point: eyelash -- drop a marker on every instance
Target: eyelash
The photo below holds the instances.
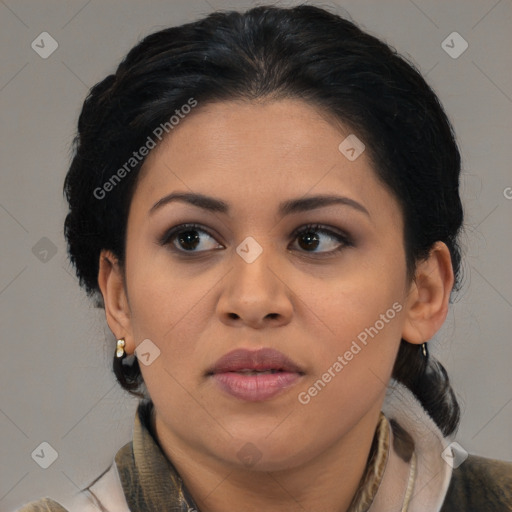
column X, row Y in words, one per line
column 345, row 240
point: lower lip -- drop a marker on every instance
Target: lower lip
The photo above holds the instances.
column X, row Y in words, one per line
column 253, row 388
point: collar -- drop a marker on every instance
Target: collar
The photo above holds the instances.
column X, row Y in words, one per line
column 149, row 479
column 405, row 471
column 418, row 444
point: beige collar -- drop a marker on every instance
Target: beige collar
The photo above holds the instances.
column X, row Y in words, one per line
column 416, row 477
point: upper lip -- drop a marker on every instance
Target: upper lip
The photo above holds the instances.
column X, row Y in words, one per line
column 262, row 359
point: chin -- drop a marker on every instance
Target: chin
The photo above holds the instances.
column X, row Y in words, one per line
column 260, row 454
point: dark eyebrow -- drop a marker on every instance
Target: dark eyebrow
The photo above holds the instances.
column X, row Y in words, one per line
column 286, row 208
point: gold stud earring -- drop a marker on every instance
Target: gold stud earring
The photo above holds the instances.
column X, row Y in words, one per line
column 120, row 348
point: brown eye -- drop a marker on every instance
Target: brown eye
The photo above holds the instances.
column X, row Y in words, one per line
column 188, row 238
column 312, row 237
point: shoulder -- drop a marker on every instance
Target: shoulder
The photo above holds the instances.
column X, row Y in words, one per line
column 480, row 484
column 42, row 505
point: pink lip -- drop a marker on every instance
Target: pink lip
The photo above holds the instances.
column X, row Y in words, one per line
column 254, row 388
column 262, row 359
column 227, row 373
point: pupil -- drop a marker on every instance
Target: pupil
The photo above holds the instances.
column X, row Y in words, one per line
column 188, row 238
column 311, row 238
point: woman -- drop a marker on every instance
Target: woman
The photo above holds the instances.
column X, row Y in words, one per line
column 256, row 199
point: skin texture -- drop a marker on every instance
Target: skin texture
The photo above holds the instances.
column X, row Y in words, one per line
column 196, row 308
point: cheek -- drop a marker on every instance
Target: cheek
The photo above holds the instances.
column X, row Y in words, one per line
column 353, row 362
column 171, row 308
column 360, row 299
column 359, row 325
column 163, row 294
column 171, row 314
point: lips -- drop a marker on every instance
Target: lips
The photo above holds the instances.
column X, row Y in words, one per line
column 263, row 360
column 255, row 376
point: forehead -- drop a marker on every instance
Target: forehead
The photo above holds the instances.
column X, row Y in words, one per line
column 261, row 150
column 234, row 127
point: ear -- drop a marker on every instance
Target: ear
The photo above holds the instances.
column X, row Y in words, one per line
column 117, row 309
column 428, row 299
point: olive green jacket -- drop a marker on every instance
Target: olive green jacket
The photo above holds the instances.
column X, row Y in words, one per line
column 411, row 468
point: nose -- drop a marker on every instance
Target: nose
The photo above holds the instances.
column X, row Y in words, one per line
column 255, row 294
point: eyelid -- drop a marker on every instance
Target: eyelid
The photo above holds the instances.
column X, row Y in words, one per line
column 323, row 229
column 168, row 234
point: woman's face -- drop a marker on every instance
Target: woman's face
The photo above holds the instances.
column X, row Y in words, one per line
column 331, row 298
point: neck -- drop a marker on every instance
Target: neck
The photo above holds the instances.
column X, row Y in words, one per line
column 327, row 482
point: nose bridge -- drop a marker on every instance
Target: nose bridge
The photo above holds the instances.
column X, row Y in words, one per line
column 255, row 290
column 252, row 272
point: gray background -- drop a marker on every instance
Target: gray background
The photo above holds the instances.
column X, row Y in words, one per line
column 55, row 379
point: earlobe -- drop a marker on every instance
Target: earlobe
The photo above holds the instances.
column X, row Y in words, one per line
column 117, row 311
column 427, row 303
